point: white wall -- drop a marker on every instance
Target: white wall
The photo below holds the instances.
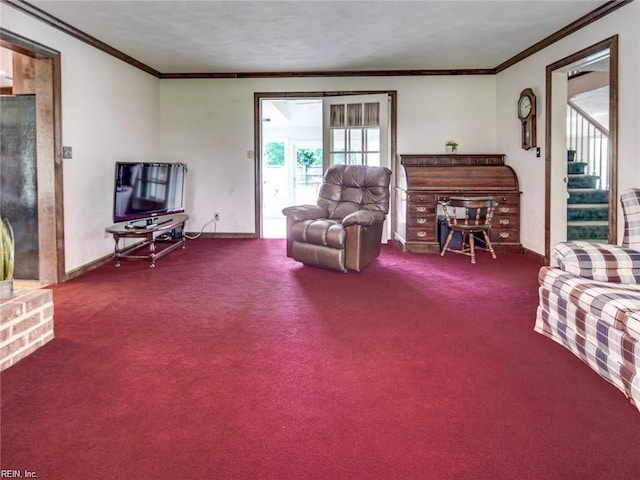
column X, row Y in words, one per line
column 531, row 73
column 208, row 124
column 110, row 112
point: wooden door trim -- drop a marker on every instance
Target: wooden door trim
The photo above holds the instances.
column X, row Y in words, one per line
column 48, row 64
column 610, row 43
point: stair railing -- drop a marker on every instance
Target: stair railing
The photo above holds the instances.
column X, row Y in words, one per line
column 590, row 142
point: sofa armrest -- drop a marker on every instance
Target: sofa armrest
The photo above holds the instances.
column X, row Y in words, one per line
column 366, row 218
column 299, row 213
column 600, row 262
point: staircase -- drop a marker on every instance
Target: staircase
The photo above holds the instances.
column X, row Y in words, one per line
column 588, row 205
column 588, row 156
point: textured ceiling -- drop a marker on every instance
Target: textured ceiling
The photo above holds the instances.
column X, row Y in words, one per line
column 186, row 36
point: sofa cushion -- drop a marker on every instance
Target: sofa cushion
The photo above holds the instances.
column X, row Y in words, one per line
column 630, row 200
column 618, row 305
column 597, row 261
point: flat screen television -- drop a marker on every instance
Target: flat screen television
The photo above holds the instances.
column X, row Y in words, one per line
column 144, row 190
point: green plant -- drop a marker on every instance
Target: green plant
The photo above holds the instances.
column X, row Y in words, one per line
column 309, row 157
column 275, row 153
column 452, row 144
column 7, row 250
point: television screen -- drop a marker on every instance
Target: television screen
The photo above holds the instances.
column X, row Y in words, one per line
column 144, row 190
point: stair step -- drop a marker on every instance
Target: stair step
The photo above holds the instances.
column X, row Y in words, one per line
column 588, row 212
column 588, row 230
column 583, row 181
column 576, row 168
column 587, row 195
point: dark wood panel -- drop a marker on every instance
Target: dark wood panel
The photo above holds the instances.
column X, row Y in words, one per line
column 18, row 174
column 453, row 180
column 451, row 160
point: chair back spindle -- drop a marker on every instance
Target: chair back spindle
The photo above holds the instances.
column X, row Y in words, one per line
column 468, row 216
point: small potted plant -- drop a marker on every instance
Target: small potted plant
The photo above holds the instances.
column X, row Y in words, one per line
column 7, row 258
column 451, row 146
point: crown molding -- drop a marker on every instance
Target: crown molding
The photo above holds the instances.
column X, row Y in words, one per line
column 335, row 73
column 54, row 22
column 582, row 22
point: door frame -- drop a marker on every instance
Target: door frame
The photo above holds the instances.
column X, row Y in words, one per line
column 610, row 43
column 48, row 152
column 257, row 130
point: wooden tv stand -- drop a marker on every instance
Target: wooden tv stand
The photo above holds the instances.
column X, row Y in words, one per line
column 158, row 232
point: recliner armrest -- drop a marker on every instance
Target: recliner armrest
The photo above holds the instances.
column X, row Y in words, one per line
column 366, row 218
column 599, row 261
column 299, row 213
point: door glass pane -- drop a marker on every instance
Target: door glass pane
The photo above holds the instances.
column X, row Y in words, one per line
column 372, row 159
column 354, row 114
column 337, row 116
column 372, row 139
column 337, row 158
column 337, row 139
column 371, row 114
column 355, row 159
column 355, row 139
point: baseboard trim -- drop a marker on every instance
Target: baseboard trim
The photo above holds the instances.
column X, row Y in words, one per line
column 536, row 256
column 221, row 235
column 71, row 274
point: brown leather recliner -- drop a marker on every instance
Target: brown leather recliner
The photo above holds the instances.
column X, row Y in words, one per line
column 344, row 230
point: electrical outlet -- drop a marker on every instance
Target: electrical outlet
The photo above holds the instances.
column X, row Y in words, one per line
column 216, row 216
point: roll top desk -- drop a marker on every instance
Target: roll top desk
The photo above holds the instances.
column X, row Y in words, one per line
column 424, row 180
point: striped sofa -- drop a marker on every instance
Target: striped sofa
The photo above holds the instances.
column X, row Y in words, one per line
column 589, row 302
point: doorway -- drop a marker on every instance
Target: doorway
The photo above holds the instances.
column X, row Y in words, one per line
column 575, row 186
column 291, row 158
column 36, row 71
column 292, row 145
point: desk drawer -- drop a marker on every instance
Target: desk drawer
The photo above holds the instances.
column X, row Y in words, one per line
column 427, row 234
column 505, row 235
column 507, row 204
column 421, row 221
column 421, row 198
column 421, row 210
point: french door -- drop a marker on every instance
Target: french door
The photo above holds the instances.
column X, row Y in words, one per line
column 355, row 131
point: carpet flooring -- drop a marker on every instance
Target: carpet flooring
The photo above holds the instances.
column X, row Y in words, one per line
column 231, row 361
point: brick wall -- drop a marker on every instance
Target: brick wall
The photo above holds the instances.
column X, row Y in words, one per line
column 26, row 324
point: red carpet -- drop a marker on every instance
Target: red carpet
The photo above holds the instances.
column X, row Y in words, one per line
column 231, row 361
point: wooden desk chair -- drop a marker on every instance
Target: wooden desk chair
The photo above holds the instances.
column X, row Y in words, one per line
column 469, row 215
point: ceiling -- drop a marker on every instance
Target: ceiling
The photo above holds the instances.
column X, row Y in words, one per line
column 187, row 36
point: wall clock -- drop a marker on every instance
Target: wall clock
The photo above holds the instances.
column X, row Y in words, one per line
column 527, row 115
